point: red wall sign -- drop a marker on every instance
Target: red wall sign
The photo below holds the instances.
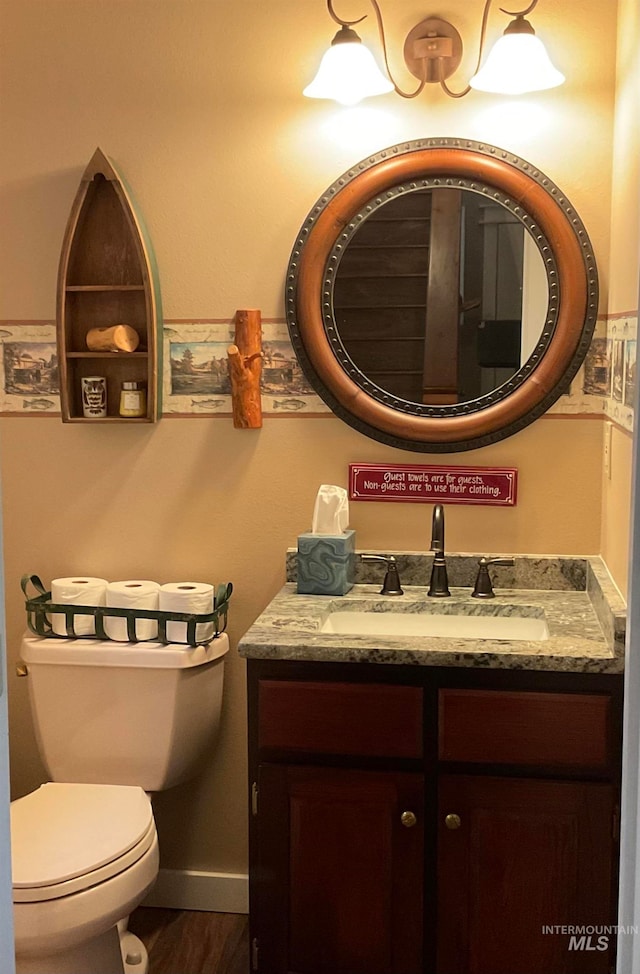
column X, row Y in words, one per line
column 420, row 484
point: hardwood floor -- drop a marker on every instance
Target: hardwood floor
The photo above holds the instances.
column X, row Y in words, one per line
column 189, row 942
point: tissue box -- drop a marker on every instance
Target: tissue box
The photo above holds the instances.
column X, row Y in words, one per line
column 326, row 563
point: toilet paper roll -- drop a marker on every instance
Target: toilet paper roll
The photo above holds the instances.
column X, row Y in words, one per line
column 131, row 594
column 77, row 590
column 196, row 597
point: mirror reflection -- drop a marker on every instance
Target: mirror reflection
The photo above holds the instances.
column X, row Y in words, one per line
column 440, row 295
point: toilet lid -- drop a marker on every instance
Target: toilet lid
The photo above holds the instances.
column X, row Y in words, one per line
column 63, row 831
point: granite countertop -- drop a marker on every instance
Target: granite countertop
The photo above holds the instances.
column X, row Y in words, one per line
column 584, row 611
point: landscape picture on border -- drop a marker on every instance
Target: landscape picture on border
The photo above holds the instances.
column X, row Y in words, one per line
column 30, row 368
column 597, row 367
column 199, row 368
column 617, row 380
column 281, row 373
column 630, row 374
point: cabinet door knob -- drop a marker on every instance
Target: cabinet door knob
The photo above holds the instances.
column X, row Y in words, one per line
column 452, row 821
column 408, row 819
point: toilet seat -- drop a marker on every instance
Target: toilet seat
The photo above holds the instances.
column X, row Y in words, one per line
column 68, row 837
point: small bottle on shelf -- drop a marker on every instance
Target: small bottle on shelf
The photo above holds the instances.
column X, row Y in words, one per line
column 133, row 399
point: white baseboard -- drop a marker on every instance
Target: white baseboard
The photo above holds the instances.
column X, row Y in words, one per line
column 187, row 889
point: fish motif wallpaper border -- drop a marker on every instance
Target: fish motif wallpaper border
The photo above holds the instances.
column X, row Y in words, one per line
column 620, row 353
column 195, row 379
column 29, row 381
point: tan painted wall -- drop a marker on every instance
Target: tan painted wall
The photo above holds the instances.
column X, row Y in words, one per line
column 199, row 103
column 623, row 292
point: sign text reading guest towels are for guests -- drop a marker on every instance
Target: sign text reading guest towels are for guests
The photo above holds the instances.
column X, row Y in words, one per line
column 426, row 484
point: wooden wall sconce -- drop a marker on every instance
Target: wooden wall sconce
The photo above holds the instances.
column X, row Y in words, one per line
column 245, row 369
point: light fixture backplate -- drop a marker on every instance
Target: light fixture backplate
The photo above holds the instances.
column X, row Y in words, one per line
column 446, row 39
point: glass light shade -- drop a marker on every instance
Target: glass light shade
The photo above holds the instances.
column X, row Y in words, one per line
column 518, row 63
column 347, row 74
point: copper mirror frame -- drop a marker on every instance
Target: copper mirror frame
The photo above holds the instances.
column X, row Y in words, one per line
column 572, row 282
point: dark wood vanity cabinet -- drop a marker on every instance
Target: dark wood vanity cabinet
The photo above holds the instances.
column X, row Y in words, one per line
column 528, row 854
column 345, row 880
column 413, row 820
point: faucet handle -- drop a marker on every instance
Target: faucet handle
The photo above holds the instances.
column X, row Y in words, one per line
column 483, row 589
column 391, row 583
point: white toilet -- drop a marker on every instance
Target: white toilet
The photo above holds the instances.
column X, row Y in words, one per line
column 113, row 721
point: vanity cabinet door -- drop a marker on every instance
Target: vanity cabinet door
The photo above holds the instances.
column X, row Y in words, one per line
column 516, row 856
column 341, row 869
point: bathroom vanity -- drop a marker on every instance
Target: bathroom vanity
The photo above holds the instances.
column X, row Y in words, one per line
column 442, row 804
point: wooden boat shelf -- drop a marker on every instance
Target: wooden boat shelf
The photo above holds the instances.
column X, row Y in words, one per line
column 107, row 277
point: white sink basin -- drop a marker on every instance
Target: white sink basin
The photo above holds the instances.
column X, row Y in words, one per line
column 365, row 622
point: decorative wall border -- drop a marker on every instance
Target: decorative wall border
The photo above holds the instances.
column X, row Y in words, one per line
column 203, row 389
column 195, row 379
column 29, row 380
column 620, row 352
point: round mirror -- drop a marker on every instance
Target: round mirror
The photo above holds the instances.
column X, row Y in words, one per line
column 441, row 295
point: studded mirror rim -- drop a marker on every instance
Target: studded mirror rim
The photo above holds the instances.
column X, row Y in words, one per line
column 571, row 274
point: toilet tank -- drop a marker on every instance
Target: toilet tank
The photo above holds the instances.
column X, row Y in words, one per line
column 124, row 713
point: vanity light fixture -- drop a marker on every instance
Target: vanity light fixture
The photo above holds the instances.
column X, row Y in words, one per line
column 348, row 71
column 517, row 64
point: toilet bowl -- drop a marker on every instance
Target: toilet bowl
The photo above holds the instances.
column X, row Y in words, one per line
column 84, row 856
column 113, row 721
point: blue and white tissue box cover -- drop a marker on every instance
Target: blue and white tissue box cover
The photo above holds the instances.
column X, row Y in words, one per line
column 326, row 563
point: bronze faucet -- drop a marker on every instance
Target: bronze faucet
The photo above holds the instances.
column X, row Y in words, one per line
column 439, row 583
